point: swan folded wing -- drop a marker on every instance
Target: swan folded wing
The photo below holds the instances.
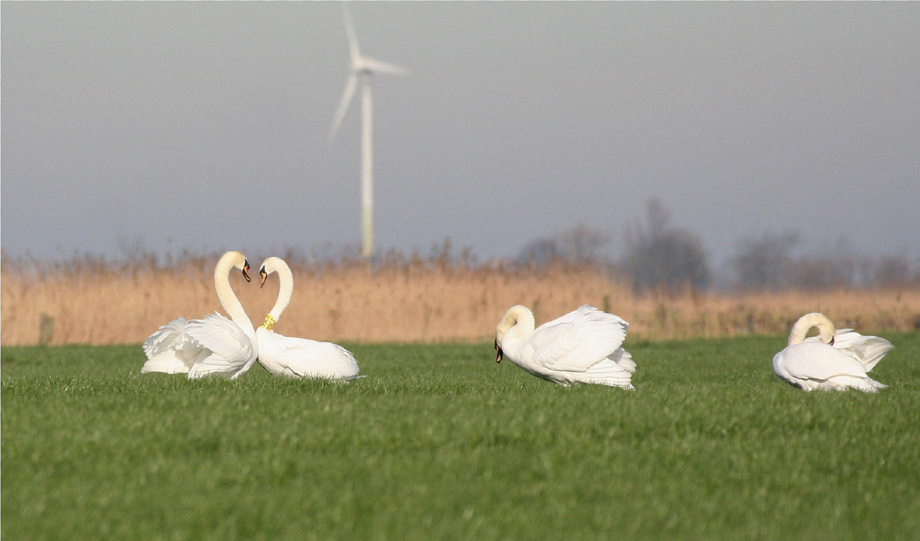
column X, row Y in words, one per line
column 819, row 362
column 306, row 358
column 578, row 340
column 231, row 347
column 345, row 362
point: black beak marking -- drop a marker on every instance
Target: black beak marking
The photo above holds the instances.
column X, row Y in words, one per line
column 246, row 270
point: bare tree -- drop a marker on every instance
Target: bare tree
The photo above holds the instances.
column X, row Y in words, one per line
column 582, row 244
column 579, row 245
column 895, row 271
column 765, row 262
column 662, row 256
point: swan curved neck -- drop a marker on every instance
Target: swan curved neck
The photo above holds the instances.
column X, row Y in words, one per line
column 227, row 298
column 285, row 292
column 825, row 327
column 518, row 323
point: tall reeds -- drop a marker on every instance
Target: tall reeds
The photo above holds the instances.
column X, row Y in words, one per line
column 95, row 301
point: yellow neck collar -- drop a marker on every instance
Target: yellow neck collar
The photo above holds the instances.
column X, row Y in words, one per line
column 268, row 323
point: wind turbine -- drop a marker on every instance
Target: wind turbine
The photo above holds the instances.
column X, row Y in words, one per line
column 362, row 68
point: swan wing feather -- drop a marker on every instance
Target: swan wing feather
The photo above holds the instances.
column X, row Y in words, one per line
column 868, row 350
column 165, row 337
column 232, row 348
column 170, row 350
column 816, row 361
column 308, row 358
column 578, row 340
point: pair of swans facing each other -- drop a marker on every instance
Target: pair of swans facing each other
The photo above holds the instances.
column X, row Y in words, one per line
column 835, row 360
column 215, row 345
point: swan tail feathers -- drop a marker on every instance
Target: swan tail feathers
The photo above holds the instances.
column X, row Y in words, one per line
column 212, row 365
column 624, row 359
column 844, row 382
column 164, row 337
column 868, row 350
column 875, row 349
column 169, row 349
column 165, row 364
column 611, row 372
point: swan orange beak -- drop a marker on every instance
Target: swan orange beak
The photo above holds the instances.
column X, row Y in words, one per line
column 246, row 271
column 262, row 276
column 500, row 355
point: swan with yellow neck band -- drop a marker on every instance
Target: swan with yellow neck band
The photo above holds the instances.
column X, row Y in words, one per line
column 835, row 360
column 212, row 345
column 297, row 357
column 268, row 322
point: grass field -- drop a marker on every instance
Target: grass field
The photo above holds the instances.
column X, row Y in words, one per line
column 439, row 442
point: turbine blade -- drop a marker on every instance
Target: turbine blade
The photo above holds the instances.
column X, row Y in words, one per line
column 379, row 66
column 343, row 105
column 353, row 49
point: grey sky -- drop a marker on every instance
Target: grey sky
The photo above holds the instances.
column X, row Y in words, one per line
column 203, row 125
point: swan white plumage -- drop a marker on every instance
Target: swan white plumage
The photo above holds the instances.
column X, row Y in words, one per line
column 213, row 345
column 583, row 346
column 297, row 357
column 833, row 360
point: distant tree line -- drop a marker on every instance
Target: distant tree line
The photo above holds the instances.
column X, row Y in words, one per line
column 664, row 257
column 767, row 262
column 658, row 255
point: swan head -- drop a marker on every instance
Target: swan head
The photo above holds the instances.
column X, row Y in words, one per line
column 826, row 329
column 512, row 317
column 235, row 260
column 270, row 265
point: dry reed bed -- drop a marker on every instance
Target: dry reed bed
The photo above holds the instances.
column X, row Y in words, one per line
column 107, row 304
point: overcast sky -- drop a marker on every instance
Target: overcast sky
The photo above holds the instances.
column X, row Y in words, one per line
column 204, row 125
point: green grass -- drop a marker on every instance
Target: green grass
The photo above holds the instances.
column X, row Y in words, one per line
column 439, row 442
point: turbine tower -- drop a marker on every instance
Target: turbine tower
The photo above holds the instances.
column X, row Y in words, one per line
column 362, row 69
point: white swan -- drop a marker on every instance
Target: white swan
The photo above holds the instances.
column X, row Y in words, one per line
column 580, row 347
column 213, row 345
column 832, row 360
column 297, row 357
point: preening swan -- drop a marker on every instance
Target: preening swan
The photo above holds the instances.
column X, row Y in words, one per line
column 580, row 347
column 297, row 357
column 832, row 360
column 213, row 345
